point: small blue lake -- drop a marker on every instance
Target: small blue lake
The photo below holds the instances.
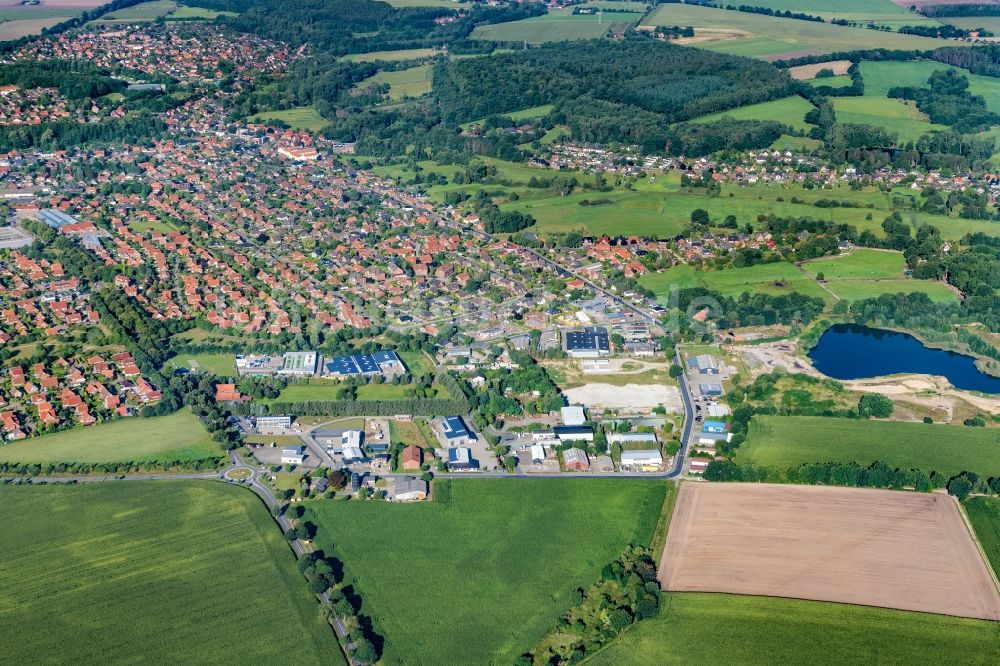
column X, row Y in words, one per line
column 849, row 351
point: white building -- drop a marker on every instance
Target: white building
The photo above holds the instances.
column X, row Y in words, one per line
column 647, row 460
column 621, row 437
column 537, row 453
column 573, row 415
column 267, row 425
column 293, row 455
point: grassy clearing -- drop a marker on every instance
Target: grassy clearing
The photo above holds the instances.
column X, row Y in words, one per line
column 896, row 116
column 416, row 363
column 984, row 514
column 511, row 551
column 860, row 263
column 880, row 77
column 189, row 13
column 223, row 365
column 302, row 118
column 783, row 442
column 151, row 572
column 788, row 142
column 179, row 436
column 403, row 54
column 790, row 111
column 141, row 13
column 856, row 290
column 412, row 82
column 777, row 278
column 762, row 630
column 842, row 81
column 556, row 26
column 784, row 35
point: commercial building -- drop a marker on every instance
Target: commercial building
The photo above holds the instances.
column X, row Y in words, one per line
column 573, row 415
column 292, row 455
column 410, row 489
column 576, row 460
column 382, row 362
column 710, row 389
column 714, row 426
column 460, row 458
column 705, row 364
column 647, row 460
column 300, row 363
column 574, row 433
column 353, row 454
column 272, row 425
column 622, row 437
column 454, row 431
column 590, row 342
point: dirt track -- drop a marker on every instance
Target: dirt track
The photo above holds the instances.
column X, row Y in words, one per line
column 884, row 548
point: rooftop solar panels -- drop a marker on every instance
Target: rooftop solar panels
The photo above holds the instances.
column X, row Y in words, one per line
column 384, row 360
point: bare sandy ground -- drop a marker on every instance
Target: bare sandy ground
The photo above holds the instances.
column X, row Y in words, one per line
column 630, row 396
column 803, row 72
column 890, row 549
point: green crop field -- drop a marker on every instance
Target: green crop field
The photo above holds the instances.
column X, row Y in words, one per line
column 790, row 111
column 730, row 629
column 141, row 13
column 784, row 442
column 179, row 436
column 437, row 4
column 480, row 575
column 412, row 82
column 851, row 10
column 556, row 26
column 776, row 278
column 896, row 116
column 842, row 81
column 157, row 572
column 880, row 77
column 302, row 118
column 984, row 514
column 223, row 365
column 770, row 36
column 188, row 13
column 991, row 23
column 859, row 263
column 403, row 54
column 856, row 290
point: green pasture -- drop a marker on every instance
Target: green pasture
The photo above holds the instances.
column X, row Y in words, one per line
column 402, row 54
column 790, row 111
column 412, row 82
column 187, row 13
column 984, row 514
column 880, row 77
column 856, row 290
column 896, row 116
column 141, row 13
column 152, row 572
column 436, row 4
column 556, row 26
column 179, row 436
column 859, row 263
column 498, row 558
column 784, row 35
column 842, row 81
column 783, row 442
column 301, row 118
column 775, row 278
column 222, row 364
column 851, row 10
column 730, row 629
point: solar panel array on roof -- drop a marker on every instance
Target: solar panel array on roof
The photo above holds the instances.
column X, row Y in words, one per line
column 588, row 339
column 56, row 218
column 362, row 364
column 454, row 427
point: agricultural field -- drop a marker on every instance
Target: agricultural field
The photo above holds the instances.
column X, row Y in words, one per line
column 880, row 77
column 856, row 290
column 897, row 116
column 860, row 263
column 188, row 13
column 23, row 27
column 512, row 551
column 809, row 72
column 842, row 81
column 556, row 26
column 222, row 365
column 759, row 35
column 412, row 82
column 880, row 11
column 301, row 118
column 437, row 4
column 179, row 436
column 775, row 278
column 733, row 629
column 403, row 54
column 984, row 514
column 141, row 13
column 991, row 23
column 791, row 111
column 783, row 442
column 748, row 538
column 152, row 572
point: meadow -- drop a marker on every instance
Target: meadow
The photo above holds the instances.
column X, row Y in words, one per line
column 188, row 13
column 556, row 26
column 24, row 27
column 775, row 278
column 731, row 629
column 760, row 35
column 152, row 572
column 301, row 118
column 896, row 116
column 791, row 111
column 783, row 442
column 984, row 514
column 179, row 436
column 222, row 365
column 141, row 13
column 882, row 11
column 842, row 81
column 880, row 77
column 860, row 263
column 402, row 54
column 412, row 82
column 856, row 290
column 511, row 551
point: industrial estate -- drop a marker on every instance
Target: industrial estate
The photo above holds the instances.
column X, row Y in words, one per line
column 500, row 332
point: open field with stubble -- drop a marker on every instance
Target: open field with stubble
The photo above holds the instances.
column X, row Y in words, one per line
column 783, row 442
column 732, row 629
column 890, row 549
column 481, row 572
column 152, row 572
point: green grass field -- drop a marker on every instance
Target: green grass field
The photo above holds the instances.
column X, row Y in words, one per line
column 842, row 81
column 437, row 4
column 896, row 116
column 179, row 436
column 783, row 442
column 861, row 263
column 777, row 278
column 223, row 365
column 302, row 118
column 769, row 35
column 320, row 392
column 730, row 629
column 188, row 13
column 880, row 77
column 556, row 26
column 412, row 82
column 991, row 23
column 852, row 10
column 856, row 290
column 403, row 54
column 984, row 514
column 480, row 577
column 790, row 111
column 152, row 572
column 141, row 13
